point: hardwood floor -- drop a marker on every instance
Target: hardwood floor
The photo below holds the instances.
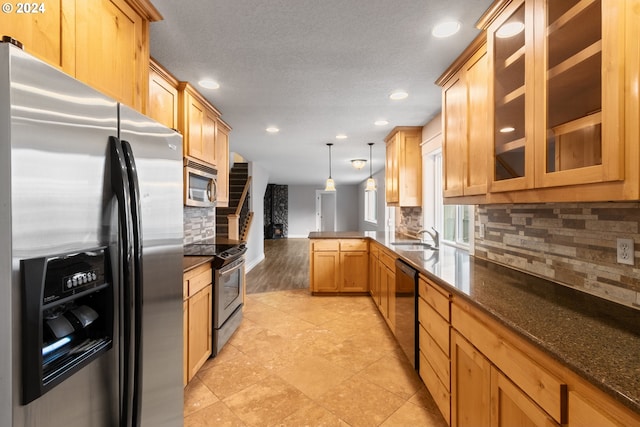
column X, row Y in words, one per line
column 286, row 266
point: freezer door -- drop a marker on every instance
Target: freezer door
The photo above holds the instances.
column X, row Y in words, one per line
column 158, row 158
column 54, row 141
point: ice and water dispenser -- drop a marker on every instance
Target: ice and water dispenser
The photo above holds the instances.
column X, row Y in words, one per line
column 67, row 316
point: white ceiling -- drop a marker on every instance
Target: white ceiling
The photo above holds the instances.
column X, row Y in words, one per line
column 314, row 69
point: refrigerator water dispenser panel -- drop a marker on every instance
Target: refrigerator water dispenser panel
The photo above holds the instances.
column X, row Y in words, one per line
column 67, row 303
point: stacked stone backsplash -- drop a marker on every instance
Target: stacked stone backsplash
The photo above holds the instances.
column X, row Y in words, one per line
column 199, row 223
column 571, row 244
column 410, row 221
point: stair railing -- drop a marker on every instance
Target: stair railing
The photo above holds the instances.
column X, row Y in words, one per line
column 234, row 218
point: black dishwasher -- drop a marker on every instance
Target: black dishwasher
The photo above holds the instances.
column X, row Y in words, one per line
column 407, row 310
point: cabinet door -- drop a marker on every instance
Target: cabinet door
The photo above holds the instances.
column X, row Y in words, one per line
column 209, row 132
column 163, row 97
column 581, row 138
column 470, row 384
column 510, row 50
column 383, row 280
column 200, row 312
column 354, row 268
column 185, row 342
column 111, row 50
column 454, row 104
column 325, row 270
column 410, row 168
column 194, row 114
column 374, row 284
column 478, row 140
column 222, row 161
column 42, row 34
column 391, row 295
column 391, row 171
column 511, row 407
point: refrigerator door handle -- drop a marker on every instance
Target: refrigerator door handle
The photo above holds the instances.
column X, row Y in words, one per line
column 135, row 208
column 122, row 189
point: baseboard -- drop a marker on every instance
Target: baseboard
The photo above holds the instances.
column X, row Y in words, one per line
column 249, row 264
column 298, row 236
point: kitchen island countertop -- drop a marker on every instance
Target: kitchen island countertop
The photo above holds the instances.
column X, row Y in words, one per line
column 596, row 338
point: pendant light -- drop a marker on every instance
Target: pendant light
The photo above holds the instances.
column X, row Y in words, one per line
column 371, row 183
column 330, row 185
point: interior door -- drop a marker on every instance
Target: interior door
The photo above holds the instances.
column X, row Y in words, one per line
column 325, row 211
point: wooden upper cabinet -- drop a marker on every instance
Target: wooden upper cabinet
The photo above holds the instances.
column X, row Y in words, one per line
column 511, row 58
column 466, row 127
column 163, row 96
column 222, row 161
column 581, row 53
column 403, row 168
column 558, row 93
column 103, row 43
column 42, row 34
column 197, row 120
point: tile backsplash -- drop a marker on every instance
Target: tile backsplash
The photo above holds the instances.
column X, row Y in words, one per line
column 199, row 223
column 410, row 221
column 572, row 244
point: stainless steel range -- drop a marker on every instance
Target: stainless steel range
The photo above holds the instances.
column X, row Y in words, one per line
column 228, row 287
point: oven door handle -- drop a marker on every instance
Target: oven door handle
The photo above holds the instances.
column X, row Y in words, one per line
column 230, row 268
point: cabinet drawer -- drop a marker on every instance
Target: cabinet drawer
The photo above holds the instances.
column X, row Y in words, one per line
column 374, row 249
column 435, row 297
column 434, row 324
column 353, row 245
column 440, row 394
column 387, row 260
column 545, row 389
column 325, row 245
column 197, row 279
column 439, row 361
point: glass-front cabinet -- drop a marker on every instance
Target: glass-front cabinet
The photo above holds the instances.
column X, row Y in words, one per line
column 557, row 94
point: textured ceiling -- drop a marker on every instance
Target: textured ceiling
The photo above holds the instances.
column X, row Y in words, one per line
column 314, row 69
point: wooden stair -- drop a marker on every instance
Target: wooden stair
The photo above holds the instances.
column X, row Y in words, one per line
column 239, row 182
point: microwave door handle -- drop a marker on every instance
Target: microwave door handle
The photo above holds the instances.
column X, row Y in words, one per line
column 136, row 210
column 121, row 188
column 212, row 190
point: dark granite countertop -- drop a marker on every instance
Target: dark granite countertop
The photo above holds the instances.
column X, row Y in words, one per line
column 191, row 262
column 596, row 338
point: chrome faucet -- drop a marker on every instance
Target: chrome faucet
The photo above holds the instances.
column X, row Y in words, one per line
column 435, row 236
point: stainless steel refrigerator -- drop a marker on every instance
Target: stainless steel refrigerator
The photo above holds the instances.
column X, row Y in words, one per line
column 91, row 210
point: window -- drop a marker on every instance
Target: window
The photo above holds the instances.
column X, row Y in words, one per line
column 370, row 207
column 452, row 221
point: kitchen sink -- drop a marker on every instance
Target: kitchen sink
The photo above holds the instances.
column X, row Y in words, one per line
column 412, row 245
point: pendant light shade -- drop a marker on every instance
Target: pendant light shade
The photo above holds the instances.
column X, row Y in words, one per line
column 330, row 184
column 371, row 183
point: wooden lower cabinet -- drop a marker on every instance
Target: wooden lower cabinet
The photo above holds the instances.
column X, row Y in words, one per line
column 470, row 384
column 197, row 317
column 324, row 271
column 510, row 406
column 200, row 329
column 339, row 266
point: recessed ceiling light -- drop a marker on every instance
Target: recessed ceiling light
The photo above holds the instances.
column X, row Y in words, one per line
column 399, row 94
column 341, row 136
column 507, row 129
column 272, row 129
column 445, row 29
column 209, row 84
column 510, row 29
column 381, row 122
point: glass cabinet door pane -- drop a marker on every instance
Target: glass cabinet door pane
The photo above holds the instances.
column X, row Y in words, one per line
column 509, row 96
column 574, row 84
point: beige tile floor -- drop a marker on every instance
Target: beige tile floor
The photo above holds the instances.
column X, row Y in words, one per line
column 299, row 360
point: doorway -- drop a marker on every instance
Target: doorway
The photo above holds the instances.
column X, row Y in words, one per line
column 326, row 209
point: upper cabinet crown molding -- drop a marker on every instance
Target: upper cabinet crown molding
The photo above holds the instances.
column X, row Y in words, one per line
column 146, row 9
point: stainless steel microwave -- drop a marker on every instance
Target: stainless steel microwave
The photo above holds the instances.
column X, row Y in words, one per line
column 200, row 184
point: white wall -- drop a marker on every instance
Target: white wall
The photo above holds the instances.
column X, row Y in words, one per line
column 255, row 241
column 302, row 209
column 364, row 225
